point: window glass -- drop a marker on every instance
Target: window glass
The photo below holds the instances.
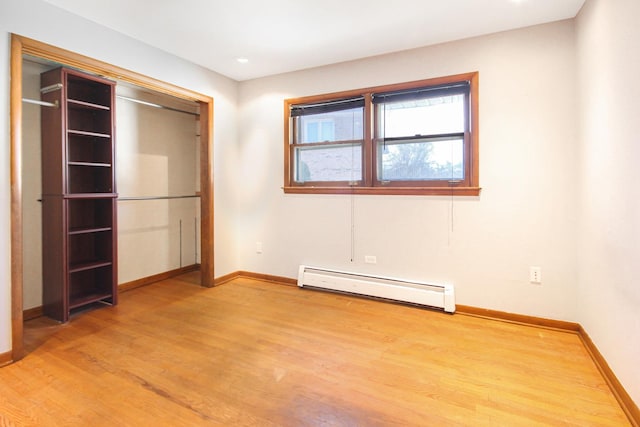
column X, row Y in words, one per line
column 329, row 163
column 428, row 116
column 440, row 159
column 343, row 125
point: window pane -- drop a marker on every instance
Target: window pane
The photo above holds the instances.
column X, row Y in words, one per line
column 421, row 160
column 328, row 131
column 428, row 116
column 311, row 130
column 333, row 163
column 343, row 125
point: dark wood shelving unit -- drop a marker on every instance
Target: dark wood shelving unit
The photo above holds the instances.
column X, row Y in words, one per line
column 78, row 192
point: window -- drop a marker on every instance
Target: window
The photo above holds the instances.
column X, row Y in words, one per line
column 420, row 133
column 319, row 130
column 327, row 141
column 412, row 138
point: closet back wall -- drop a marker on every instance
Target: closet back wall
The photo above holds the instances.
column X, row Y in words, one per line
column 155, row 156
column 31, row 187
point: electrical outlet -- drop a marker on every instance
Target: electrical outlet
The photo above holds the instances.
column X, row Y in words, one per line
column 370, row 259
column 535, row 275
column 258, row 247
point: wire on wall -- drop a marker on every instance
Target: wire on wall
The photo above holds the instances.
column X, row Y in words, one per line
column 452, row 182
column 353, row 225
column 352, row 185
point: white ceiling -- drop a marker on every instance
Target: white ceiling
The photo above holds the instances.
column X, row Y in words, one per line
column 285, row 35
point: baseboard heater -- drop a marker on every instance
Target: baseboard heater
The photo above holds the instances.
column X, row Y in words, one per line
column 438, row 296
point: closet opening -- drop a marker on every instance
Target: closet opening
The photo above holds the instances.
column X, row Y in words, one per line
column 163, row 168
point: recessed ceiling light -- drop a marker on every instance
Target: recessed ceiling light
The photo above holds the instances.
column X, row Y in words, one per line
column 242, row 60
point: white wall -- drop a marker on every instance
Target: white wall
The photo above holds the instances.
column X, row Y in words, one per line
column 525, row 215
column 609, row 267
column 39, row 20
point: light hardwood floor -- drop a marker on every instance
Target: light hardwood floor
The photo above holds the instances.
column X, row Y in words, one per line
column 255, row 353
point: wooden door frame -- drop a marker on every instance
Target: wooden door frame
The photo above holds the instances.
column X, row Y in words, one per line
column 21, row 46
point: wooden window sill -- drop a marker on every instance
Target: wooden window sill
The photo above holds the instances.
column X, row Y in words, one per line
column 399, row 191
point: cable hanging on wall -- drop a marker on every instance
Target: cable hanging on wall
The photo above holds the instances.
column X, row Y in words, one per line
column 452, row 182
column 352, row 184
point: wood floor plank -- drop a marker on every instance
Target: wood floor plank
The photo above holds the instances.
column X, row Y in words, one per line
column 255, row 353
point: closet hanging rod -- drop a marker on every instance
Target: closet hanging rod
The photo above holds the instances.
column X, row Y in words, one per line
column 151, row 104
column 51, row 88
column 43, row 103
column 189, row 196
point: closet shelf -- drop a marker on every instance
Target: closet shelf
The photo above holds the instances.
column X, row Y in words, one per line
column 88, row 230
column 86, row 133
column 74, row 103
column 93, row 164
column 90, row 195
column 89, row 265
column 87, row 299
column 79, row 224
column 82, row 137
